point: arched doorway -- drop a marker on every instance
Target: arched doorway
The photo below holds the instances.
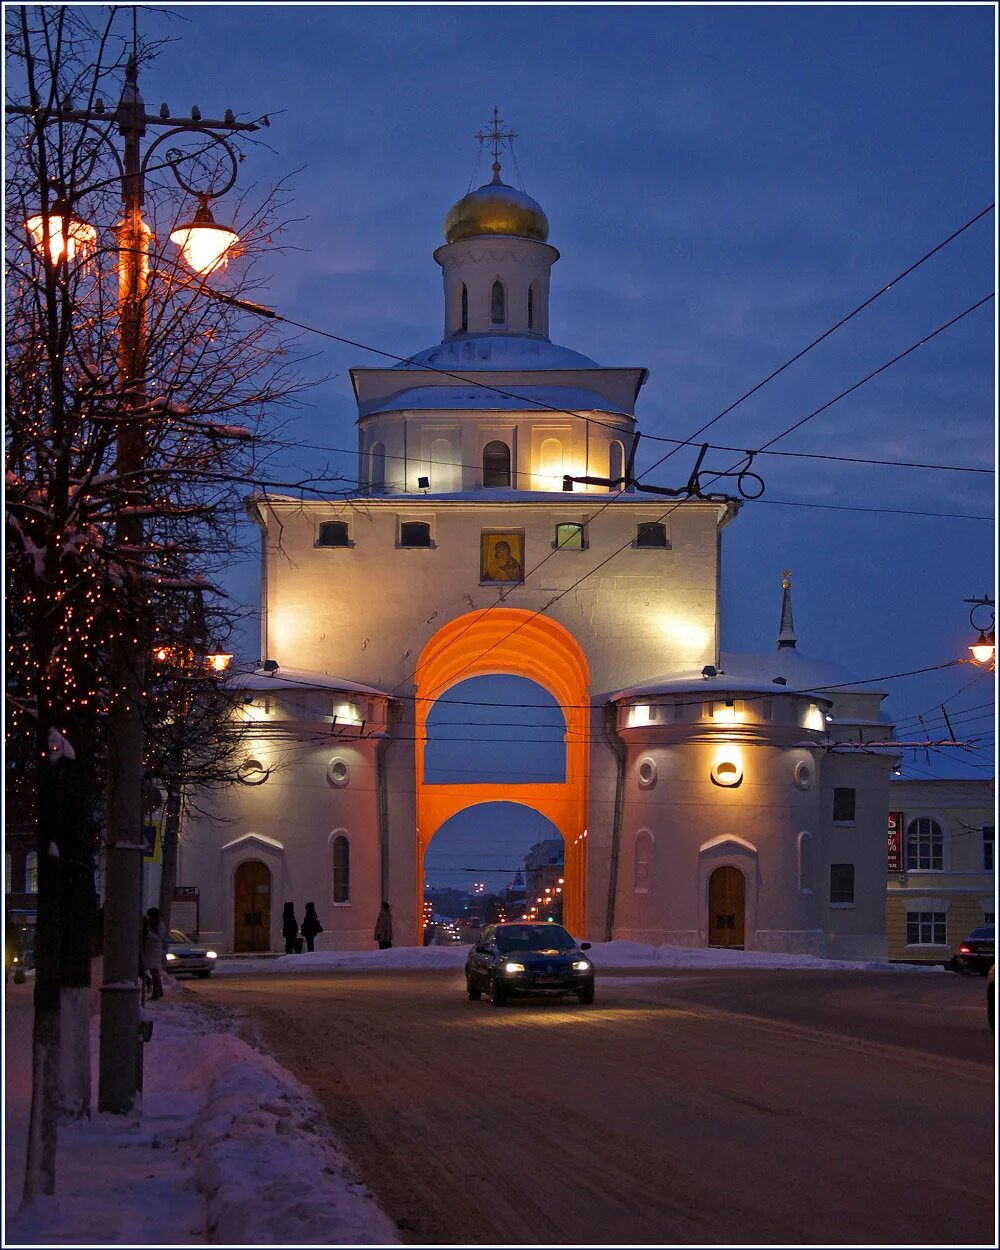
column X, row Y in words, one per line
column 522, row 644
column 726, row 907
column 252, row 906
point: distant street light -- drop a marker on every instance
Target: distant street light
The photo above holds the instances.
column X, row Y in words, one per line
column 984, row 649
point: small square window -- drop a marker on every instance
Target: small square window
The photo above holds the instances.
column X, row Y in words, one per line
column 842, row 884
column 843, row 804
column 651, row 534
column 414, row 534
column 570, row 536
column 333, row 534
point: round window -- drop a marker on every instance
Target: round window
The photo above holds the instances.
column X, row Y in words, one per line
column 803, row 775
column 338, row 772
column 252, row 772
column 727, row 773
column 647, row 773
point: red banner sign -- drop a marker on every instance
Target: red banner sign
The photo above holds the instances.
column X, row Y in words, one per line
column 894, row 857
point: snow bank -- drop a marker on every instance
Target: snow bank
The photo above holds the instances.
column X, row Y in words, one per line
column 616, row 954
column 230, row 1149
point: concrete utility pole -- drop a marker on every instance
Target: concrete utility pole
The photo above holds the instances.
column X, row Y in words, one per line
column 203, row 245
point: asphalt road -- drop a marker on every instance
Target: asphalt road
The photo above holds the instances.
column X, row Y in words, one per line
column 686, row 1107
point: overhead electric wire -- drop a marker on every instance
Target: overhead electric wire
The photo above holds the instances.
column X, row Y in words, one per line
column 546, row 407
column 796, row 425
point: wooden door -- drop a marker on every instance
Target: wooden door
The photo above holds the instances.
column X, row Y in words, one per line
column 252, row 907
column 726, row 907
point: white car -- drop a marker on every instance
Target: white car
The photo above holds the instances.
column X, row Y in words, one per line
column 183, row 955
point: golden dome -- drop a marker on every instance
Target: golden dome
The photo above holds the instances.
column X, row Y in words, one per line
column 496, row 209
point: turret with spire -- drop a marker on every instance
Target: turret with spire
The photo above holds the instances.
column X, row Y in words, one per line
column 786, row 632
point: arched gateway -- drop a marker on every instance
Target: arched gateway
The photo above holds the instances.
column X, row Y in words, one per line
column 522, row 644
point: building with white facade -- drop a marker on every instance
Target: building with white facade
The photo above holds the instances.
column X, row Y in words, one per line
column 707, row 798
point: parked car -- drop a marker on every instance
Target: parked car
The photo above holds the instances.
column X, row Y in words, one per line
column 518, row 958
column 975, row 954
column 183, row 955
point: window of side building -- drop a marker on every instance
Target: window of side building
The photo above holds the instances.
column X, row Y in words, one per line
column 927, row 928
column 841, row 885
column 988, row 832
column 924, row 846
column 844, row 805
column 333, row 534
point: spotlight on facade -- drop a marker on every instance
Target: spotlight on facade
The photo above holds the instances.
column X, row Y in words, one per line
column 709, row 671
column 423, row 483
column 567, row 483
column 270, row 666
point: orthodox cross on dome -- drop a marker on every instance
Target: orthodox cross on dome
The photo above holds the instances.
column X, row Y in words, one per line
column 495, row 137
column 786, row 634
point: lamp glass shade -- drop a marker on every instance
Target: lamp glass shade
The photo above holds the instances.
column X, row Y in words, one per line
column 984, row 648
column 204, row 245
column 69, row 235
column 218, row 661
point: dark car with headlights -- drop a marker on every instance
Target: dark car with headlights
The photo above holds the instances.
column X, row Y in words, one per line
column 975, row 954
column 183, row 955
column 525, row 958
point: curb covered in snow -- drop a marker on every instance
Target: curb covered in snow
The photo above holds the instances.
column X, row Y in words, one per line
column 617, row 954
column 230, row 1149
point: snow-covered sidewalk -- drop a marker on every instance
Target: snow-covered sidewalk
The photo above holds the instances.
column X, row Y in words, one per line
column 609, row 955
column 230, row 1149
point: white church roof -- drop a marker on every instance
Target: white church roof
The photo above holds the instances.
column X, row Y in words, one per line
column 756, row 673
column 518, row 398
column 498, row 351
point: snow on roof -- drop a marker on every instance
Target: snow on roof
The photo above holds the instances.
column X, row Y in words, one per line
column 498, row 351
column 525, row 397
column 509, row 494
column 756, row 674
column 297, row 679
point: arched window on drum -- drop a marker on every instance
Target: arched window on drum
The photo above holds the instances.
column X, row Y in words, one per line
column 496, row 464
column 498, row 304
column 643, row 865
column 616, row 464
column 376, row 466
column 550, row 465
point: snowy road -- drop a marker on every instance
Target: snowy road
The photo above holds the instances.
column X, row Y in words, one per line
column 685, row 1106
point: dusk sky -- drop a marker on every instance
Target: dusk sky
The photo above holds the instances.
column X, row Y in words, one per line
column 723, row 185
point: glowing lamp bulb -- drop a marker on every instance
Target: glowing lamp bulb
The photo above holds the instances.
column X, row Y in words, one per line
column 218, row 661
column 69, row 235
column 204, row 245
column 984, row 648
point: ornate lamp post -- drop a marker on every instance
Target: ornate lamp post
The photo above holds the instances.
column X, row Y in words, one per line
column 59, row 234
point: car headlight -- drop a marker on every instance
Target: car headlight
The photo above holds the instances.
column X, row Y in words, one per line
column 170, row 957
column 211, row 955
column 510, row 967
column 581, row 965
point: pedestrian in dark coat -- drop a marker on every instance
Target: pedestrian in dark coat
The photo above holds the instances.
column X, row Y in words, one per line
column 311, row 926
column 383, row 927
column 289, row 929
column 154, row 937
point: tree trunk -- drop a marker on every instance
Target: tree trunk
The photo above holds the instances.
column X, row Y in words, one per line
column 170, row 837
column 40, row 1172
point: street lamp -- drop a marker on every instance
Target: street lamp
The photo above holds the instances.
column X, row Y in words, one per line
column 60, row 236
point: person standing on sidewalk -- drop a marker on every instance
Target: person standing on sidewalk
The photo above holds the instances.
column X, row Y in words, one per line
column 383, row 927
column 154, row 939
column 290, row 929
column 311, row 926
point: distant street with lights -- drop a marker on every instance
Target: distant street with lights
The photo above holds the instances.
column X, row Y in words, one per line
column 692, row 1107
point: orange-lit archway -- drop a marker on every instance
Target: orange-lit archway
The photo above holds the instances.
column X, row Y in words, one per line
column 516, row 642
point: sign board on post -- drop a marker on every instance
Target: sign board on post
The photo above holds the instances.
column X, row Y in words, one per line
column 894, row 857
column 186, row 911
column 154, row 847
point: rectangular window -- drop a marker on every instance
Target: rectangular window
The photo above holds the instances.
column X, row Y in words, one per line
column 988, row 832
column 842, row 884
column 924, row 845
column 570, row 536
column 414, row 534
column 651, row 534
column 843, row 805
column 989, row 917
column 926, row 928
